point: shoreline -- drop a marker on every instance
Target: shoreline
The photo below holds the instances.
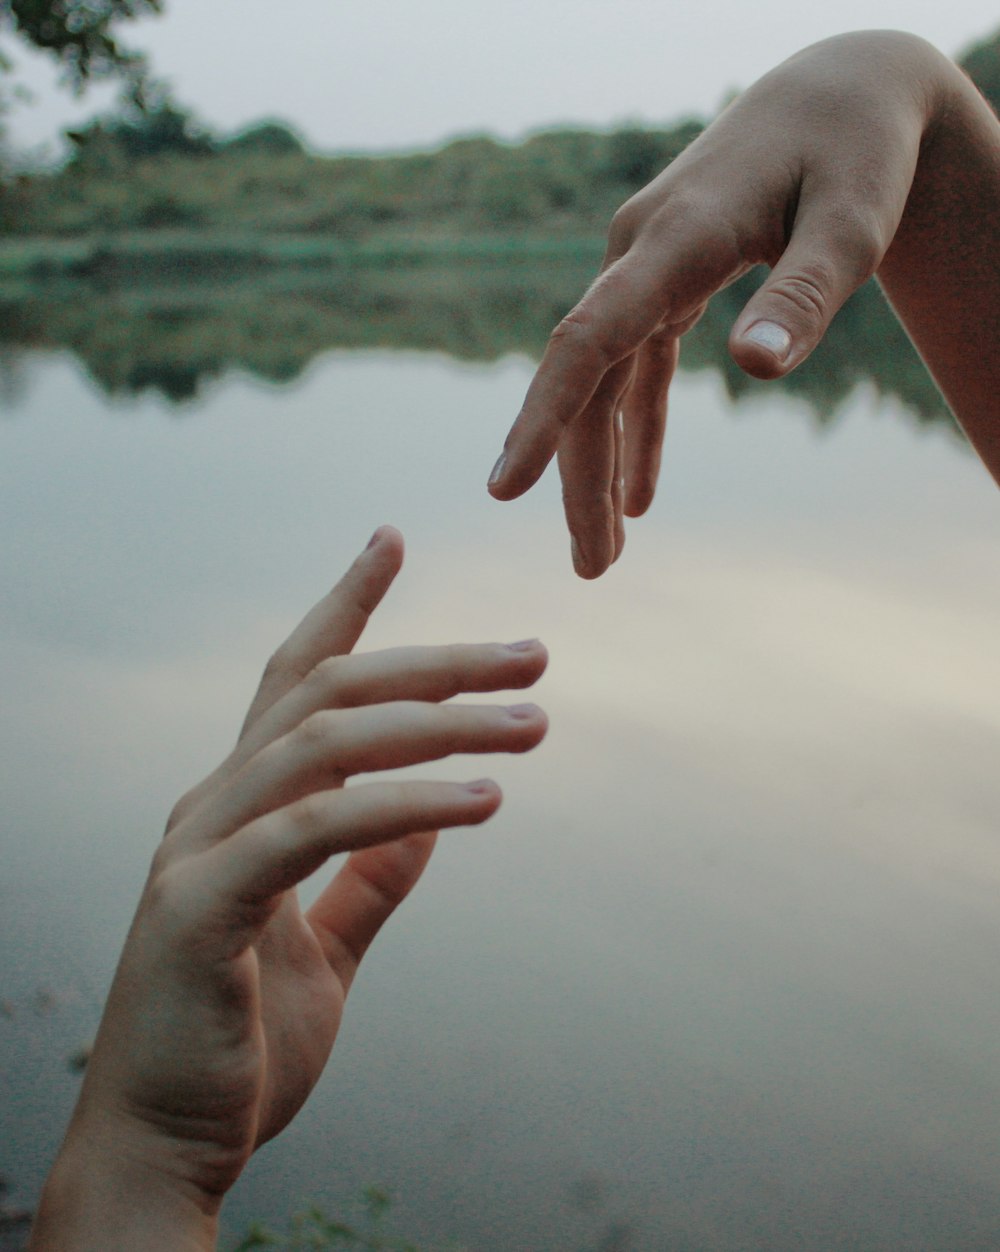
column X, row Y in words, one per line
column 120, row 256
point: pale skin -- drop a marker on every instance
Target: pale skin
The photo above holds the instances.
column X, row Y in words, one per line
column 866, row 154
column 869, row 153
column 228, row 996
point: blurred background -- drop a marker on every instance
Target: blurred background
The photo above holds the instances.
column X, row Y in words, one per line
column 722, row 973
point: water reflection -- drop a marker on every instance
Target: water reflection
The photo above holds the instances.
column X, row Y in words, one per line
column 173, row 339
column 723, row 972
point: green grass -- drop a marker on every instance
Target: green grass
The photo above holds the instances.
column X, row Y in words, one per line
column 141, row 253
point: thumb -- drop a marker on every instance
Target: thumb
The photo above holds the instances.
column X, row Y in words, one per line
column 364, row 894
column 825, row 261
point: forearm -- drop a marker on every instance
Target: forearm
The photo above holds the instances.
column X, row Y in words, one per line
column 96, row 1202
column 942, row 271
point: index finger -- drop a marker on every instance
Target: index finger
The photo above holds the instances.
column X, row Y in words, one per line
column 618, row 313
column 682, row 255
column 335, row 624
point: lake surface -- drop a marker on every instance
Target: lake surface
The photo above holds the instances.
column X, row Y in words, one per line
column 723, row 973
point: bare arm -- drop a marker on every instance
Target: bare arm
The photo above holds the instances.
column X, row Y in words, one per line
column 867, row 153
column 942, row 270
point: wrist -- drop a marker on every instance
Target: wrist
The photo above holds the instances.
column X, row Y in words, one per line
column 109, row 1194
column 940, row 271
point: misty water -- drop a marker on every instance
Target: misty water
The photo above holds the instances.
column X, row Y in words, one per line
column 724, row 971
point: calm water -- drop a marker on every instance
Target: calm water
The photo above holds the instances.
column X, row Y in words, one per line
column 724, row 973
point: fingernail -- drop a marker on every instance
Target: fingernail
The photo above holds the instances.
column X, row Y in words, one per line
column 482, row 786
column 497, row 471
column 522, row 712
column 523, row 645
column 771, row 336
column 375, row 538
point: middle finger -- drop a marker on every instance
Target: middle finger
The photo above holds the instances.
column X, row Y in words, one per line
column 333, row 744
column 587, row 466
column 432, row 674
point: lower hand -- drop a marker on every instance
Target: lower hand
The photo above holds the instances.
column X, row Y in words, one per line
column 228, row 996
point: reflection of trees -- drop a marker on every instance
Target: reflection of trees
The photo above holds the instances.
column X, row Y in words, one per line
column 172, row 339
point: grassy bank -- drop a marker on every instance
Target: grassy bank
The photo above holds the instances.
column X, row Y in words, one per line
column 166, row 254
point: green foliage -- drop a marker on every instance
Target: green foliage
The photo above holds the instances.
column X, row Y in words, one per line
column 124, row 169
column 314, row 1231
column 635, row 156
column 282, row 253
column 78, row 33
column 163, row 170
column 267, row 138
column 982, row 64
column 164, row 130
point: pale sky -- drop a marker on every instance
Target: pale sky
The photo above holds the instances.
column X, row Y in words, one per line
column 387, row 74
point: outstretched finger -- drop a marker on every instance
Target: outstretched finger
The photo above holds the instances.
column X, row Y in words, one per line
column 676, row 262
column 335, row 744
column 273, row 854
column 618, row 483
column 589, row 464
column 621, row 309
column 644, row 416
column 431, row 674
column 333, row 626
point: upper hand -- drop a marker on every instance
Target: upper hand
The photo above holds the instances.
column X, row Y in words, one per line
column 808, row 171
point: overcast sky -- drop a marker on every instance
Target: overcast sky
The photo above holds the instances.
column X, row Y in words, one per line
column 391, row 74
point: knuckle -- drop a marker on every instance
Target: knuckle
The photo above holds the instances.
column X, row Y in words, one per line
column 860, row 240
column 179, row 811
column 462, row 660
column 456, row 664
column 411, row 798
column 409, row 806
column 691, row 212
column 625, row 225
column 309, row 815
column 279, row 664
column 451, row 726
column 583, row 338
column 575, row 329
column 807, row 291
column 598, row 499
column 314, row 731
column 328, row 674
column 275, row 662
column 449, row 669
column 170, row 894
column 452, row 656
column 658, row 350
column 161, row 864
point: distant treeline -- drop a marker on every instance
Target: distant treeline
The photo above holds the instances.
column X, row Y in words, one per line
column 160, row 172
column 163, row 172
column 163, row 255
